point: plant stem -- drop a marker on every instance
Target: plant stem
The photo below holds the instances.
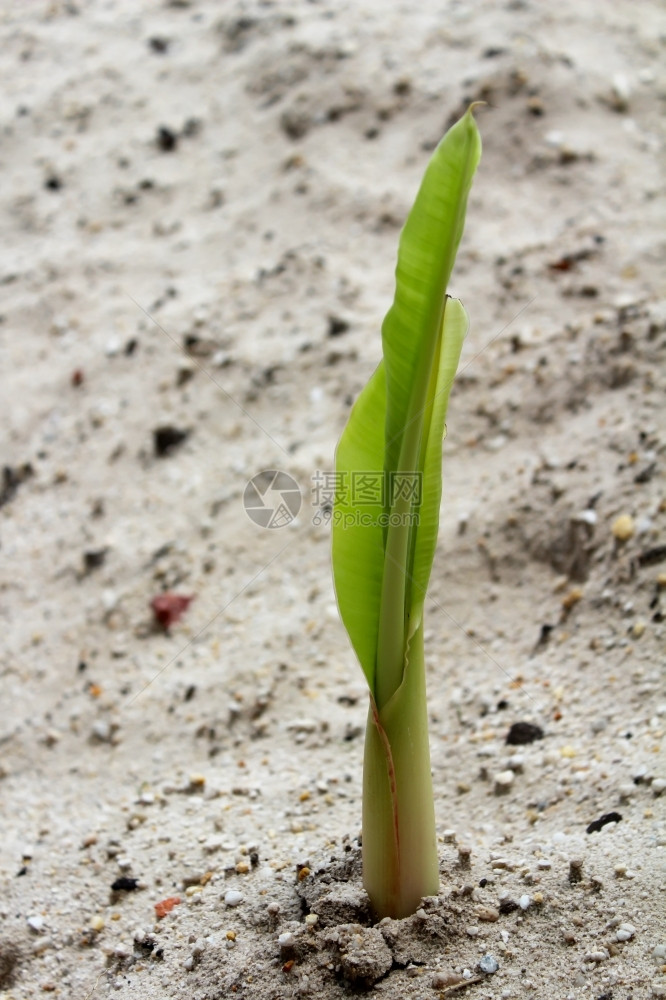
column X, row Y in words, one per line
column 399, row 844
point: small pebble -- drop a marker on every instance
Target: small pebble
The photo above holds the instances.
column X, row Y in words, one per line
column 524, row 902
column 488, row 913
column 575, row 870
column 42, row 944
column 658, row 786
column 625, row 791
column 441, row 980
column 488, row 964
column 464, row 855
column 97, row 923
column 101, row 730
column 503, row 782
column 287, row 940
column 623, row 527
column 554, row 138
column 522, row 733
column 233, row 898
column 36, row 923
column 625, row 932
column 620, row 92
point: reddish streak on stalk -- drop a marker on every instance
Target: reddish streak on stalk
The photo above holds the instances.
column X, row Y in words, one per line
column 392, row 783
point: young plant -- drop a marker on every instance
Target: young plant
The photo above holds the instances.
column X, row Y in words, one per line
column 385, row 523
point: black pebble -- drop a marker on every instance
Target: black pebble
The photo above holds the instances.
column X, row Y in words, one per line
column 159, row 45
column 165, row 439
column 508, row 905
column 125, row 884
column 336, row 326
column 652, row 556
column 598, row 824
column 167, row 139
column 544, row 635
column 93, row 559
column 521, row 733
column 12, row 479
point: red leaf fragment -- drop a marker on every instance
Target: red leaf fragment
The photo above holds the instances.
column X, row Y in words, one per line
column 168, row 608
column 166, row 906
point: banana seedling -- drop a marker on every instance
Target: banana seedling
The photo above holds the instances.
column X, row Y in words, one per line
column 384, row 535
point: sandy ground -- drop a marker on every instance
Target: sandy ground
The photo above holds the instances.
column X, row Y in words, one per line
column 201, row 204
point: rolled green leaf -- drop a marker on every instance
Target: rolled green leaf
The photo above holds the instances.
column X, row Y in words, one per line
column 384, row 541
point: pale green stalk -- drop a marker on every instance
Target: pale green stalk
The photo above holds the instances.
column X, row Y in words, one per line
column 399, row 844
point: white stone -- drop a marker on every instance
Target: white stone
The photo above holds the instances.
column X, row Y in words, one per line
column 503, row 781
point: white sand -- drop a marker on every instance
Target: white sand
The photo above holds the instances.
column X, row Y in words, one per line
column 301, row 131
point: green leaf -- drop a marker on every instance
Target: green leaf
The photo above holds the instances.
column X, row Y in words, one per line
column 426, row 254
column 358, row 549
column 425, row 537
column 381, row 564
column 412, row 342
